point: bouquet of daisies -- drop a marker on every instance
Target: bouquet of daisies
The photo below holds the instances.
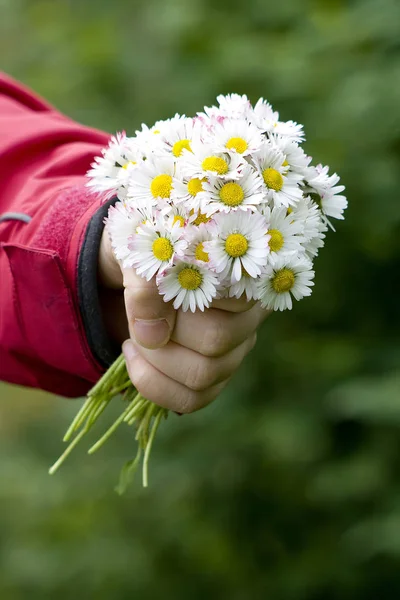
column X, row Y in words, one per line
column 224, row 204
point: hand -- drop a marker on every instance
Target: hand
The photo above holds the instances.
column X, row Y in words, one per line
column 178, row 360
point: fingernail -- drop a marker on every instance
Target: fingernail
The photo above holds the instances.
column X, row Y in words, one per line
column 151, row 334
column 129, row 350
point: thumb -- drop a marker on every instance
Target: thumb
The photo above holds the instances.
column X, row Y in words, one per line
column 150, row 319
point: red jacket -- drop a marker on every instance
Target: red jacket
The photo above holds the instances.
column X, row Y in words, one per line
column 51, row 334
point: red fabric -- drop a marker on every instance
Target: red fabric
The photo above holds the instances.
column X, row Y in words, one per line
column 43, row 160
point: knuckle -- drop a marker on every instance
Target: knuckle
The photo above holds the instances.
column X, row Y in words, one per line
column 133, row 295
column 139, row 378
column 136, row 299
column 201, row 374
column 215, row 338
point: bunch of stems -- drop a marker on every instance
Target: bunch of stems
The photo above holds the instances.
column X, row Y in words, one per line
column 139, row 412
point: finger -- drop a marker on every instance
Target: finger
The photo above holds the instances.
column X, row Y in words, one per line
column 216, row 332
column 109, row 271
column 150, row 319
column 233, row 304
column 162, row 390
column 194, row 370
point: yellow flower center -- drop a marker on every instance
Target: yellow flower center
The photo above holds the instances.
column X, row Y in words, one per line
column 161, row 186
column 190, row 278
column 276, row 241
column 156, row 131
column 200, row 253
column 285, row 163
column 283, row 281
column 162, row 249
column 236, row 143
column 231, row 194
column 236, row 245
column 131, row 162
column 178, row 147
column 273, row 179
column 201, row 218
column 179, row 219
column 216, row 164
column 195, row 186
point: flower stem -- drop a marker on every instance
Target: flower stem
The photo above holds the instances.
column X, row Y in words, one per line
column 67, row 451
column 108, row 433
column 149, row 446
column 137, row 410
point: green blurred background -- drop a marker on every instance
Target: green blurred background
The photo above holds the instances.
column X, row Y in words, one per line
column 288, row 487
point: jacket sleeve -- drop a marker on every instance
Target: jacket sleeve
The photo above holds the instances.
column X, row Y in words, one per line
column 50, row 229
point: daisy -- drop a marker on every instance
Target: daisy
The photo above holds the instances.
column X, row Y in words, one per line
column 177, row 135
column 264, row 113
column 313, row 245
column 331, row 202
column 284, row 232
column 104, row 172
column 309, row 215
column 237, row 136
column 186, row 190
column 291, row 129
column 124, row 176
column 190, row 285
column 295, row 158
column 246, row 285
column 153, row 181
column 179, row 213
column 196, row 236
column 234, row 105
column 205, row 122
column 268, row 121
column 205, row 161
column 289, row 276
column 121, row 223
column 280, row 185
column 149, row 139
column 240, row 240
column 154, row 247
column 199, row 218
column 225, row 196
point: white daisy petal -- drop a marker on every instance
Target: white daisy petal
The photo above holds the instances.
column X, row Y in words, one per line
column 238, row 234
column 190, row 284
column 288, row 276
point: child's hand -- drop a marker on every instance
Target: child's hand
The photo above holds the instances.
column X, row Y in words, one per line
column 179, row 360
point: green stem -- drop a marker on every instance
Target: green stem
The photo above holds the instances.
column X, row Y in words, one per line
column 134, row 407
column 130, row 395
column 103, row 403
column 120, row 388
column 141, row 434
column 108, row 377
column 149, row 446
column 108, row 433
column 68, row 451
column 79, row 418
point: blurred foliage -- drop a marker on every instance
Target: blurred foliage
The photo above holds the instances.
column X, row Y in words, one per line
column 288, row 487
